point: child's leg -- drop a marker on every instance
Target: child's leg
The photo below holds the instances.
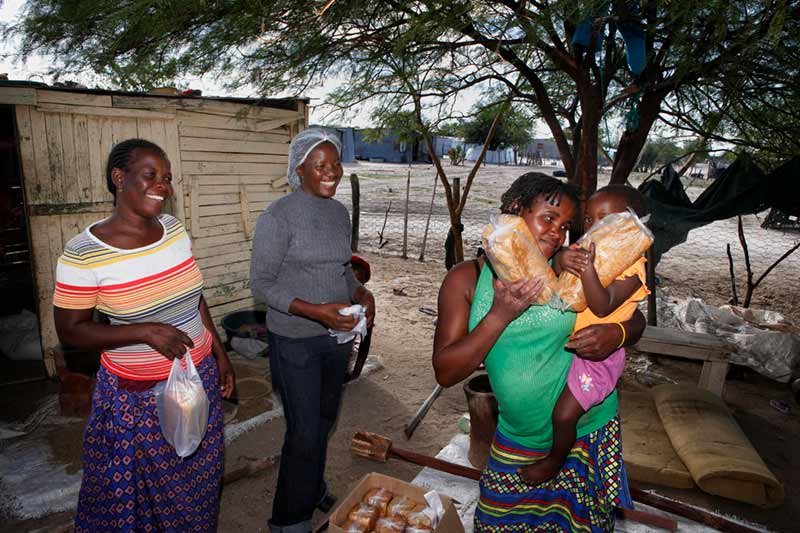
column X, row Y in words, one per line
column 566, row 413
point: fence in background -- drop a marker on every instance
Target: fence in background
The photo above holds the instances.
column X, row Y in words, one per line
column 698, row 267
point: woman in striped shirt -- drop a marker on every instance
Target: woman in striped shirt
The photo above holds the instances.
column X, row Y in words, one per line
column 136, row 268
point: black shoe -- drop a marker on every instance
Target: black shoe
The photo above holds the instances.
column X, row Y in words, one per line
column 326, row 503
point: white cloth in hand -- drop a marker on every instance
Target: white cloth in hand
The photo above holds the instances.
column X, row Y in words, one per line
column 360, row 328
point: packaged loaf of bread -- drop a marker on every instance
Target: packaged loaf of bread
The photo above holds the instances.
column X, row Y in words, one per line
column 619, row 240
column 380, row 498
column 422, row 517
column 401, row 505
column 353, row 526
column 364, row 514
column 514, row 254
column 391, row 524
column 412, row 529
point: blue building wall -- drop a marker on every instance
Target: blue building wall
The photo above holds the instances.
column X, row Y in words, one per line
column 387, row 149
column 346, row 137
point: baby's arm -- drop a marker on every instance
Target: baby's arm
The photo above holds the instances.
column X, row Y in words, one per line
column 573, row 260
column 604, row 300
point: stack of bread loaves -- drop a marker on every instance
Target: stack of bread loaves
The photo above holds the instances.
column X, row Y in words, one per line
column 382, row 512
column 514, row 254
column 619, row 240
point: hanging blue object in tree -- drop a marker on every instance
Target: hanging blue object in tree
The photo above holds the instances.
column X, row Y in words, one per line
column 629, row 26
column 632, row 116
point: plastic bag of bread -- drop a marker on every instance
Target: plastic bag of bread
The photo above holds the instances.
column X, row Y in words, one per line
column 391, row 524
column 412, row 529
column 514, row 254
column 380, row 498
column 619, row 240
column 400, row 505
column 182, row 407
column 422, row 517
column 364, row 514
column 353, row 526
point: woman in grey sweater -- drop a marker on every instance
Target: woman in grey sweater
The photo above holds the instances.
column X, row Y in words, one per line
column 301, row 269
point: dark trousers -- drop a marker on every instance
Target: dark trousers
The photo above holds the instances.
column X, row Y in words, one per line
column 309, row 373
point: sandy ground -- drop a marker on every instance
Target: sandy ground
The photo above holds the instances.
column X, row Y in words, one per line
column 699, row 267
column 385, row 400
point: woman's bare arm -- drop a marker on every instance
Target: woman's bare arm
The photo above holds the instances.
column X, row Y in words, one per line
column 457, row 352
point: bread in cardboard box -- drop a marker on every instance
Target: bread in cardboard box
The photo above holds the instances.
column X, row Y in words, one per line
column 401, row 505
column 380, row 498
column 364, row 514
column 353, row 526
column 391, row 524
column 422, row 517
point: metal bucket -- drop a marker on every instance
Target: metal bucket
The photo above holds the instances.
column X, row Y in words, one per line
column 483, row 414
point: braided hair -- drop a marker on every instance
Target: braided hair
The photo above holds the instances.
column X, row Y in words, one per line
column 121, row 157
column 529, row 186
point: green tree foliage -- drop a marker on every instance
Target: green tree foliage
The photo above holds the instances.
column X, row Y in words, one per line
column 726, row 69
column 658, row 153
column 513, row 129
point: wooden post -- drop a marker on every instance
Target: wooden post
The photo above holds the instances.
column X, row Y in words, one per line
column 652, row 318
column 428, row 222
column 356, row 197
column 405, row 215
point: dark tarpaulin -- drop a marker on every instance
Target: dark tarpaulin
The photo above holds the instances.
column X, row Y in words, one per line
column 741, row 189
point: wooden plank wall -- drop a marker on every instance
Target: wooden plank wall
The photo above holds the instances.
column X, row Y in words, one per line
column 229, row 164
column 234, row 165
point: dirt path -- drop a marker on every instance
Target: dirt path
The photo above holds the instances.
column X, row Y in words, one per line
column 384, row 400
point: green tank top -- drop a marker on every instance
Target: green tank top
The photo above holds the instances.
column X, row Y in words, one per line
column 528, row 367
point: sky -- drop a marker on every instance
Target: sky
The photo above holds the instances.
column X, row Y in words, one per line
column 35, row 69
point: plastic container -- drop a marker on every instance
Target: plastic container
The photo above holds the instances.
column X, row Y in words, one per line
column 245, row 324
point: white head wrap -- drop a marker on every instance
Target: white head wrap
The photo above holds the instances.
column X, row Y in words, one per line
column 301, row 146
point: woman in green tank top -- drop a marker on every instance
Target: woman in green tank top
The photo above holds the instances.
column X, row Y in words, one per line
column 483, row 320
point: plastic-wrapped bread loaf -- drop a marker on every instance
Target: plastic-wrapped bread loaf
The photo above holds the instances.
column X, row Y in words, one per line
column 619, row 240
column 391, row 524
column 352, row 526
column 379, row 498
column 364, row 514
column 400, row 505
column 422, row 517
column 514, row 254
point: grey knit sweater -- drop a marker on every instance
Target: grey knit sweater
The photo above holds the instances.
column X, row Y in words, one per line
column 301, row 249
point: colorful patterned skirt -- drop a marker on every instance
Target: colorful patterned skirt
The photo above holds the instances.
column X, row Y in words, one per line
column 132, row 478
column 581, row 498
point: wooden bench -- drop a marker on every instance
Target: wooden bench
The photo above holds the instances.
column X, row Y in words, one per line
column 713, row 351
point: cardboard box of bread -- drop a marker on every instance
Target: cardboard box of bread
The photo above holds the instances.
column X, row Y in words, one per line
column 384, row 504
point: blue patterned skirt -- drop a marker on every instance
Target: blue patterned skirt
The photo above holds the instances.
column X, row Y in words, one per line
column 132, row 478
column 581, row 498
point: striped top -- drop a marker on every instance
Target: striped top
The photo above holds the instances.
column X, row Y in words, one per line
column 159, row 282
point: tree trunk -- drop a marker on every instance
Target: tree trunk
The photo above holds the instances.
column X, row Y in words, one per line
column 586, row 168
column 631, row 143
column 586, row 161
